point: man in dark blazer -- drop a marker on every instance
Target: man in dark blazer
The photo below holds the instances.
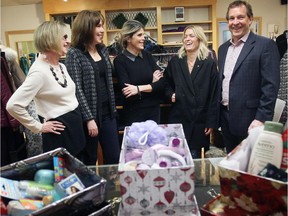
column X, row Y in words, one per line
column 249, row 76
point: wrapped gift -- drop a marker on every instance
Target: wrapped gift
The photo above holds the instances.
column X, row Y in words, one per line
column 157, row 188
column 90, row 197
column 223, row 206
column 191, row 210
column 252, row 193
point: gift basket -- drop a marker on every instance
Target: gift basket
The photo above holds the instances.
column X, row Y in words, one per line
column 253, row 177
column 152, row 157
column 87, row 197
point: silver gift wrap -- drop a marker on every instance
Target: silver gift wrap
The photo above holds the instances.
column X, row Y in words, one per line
column 75, row 204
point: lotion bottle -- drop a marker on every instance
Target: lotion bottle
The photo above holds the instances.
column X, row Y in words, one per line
column 267, row 149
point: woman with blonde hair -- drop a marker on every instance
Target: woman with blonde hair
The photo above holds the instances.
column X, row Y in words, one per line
column 50, row 86
column 192, row 87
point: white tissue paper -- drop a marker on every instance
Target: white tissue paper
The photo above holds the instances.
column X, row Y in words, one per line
column 238, row 159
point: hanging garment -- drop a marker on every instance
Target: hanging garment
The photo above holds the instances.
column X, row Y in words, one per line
column 24, row 64
column 33, row 141
column 12, row 140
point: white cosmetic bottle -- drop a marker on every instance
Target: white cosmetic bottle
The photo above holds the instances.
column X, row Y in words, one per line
column 267, row 149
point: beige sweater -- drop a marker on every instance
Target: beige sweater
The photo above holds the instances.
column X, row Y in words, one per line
column 51, row 99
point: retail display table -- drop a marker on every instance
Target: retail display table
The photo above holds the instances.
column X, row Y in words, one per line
column 207, row 183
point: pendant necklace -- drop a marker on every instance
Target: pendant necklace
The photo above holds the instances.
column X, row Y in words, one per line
column 64, row 85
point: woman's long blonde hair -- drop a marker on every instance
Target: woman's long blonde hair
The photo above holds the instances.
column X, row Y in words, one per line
column 203, row 50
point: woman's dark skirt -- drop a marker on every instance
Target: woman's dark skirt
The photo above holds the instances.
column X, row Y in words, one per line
column 72, row 138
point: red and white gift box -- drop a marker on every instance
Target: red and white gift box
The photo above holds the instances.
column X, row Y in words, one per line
column 158, row 188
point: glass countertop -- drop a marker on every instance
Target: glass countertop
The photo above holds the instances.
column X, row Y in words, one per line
column 207, row 183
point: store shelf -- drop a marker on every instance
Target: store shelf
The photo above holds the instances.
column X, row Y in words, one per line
column 160, row 14
column 118, row 30
column 171, row 31
column 187, row 23
column 180, row 33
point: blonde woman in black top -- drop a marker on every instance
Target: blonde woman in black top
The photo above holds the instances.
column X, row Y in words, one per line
column 192, row 87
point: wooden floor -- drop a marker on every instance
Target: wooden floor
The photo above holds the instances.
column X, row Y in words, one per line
column 100, row 156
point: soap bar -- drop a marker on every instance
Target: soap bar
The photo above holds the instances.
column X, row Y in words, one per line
column 44, row 176
column 271, row 171
column 164, row 161
column 15, row 208
column 176, row 142
column 149, row 156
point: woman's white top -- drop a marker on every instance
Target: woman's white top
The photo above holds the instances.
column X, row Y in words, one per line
column 51, row 99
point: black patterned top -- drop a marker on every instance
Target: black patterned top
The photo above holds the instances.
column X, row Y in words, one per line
column 85, row 77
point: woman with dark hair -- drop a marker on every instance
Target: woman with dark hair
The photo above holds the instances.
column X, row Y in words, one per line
column 138, row 75
column 89, row 66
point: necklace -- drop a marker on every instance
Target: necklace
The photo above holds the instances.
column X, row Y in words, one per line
column 190, row 65
column 64, row 85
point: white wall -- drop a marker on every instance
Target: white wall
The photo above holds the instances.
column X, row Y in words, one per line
column 271, row 11
column 28, row 17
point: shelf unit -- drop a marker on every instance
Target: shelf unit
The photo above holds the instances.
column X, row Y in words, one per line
column 160, row 14
column 171, row 31
column 112, row 30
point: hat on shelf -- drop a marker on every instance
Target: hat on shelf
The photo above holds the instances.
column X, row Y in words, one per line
column 141, row 18
column 119, row 20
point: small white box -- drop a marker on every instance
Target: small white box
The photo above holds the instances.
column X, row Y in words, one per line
column 179, row 14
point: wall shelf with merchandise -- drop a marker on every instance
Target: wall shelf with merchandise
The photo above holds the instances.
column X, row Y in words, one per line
column 171, row 30
column 115, row 20
column 160, row 16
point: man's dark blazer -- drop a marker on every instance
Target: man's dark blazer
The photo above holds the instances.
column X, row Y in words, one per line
column 254, row 83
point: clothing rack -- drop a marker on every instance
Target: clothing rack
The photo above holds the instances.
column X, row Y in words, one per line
column 164, row 54
column 162, row 59
column 3, row 54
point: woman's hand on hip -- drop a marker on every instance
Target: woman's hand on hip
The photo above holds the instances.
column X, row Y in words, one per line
column 52, row 127
column 92, row 128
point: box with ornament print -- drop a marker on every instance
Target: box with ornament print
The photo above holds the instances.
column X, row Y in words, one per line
column 254, row 194
column 191, row 210
column 158, row 188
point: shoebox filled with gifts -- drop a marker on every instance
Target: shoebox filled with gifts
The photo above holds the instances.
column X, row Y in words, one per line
column 53, row 183
column 253, row 177
column 156, row 169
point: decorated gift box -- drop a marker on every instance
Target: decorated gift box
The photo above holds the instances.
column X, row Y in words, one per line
column 83, row 202
column 223, row 206
column 191, row 210
column 156, row 187
column 255, row 194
